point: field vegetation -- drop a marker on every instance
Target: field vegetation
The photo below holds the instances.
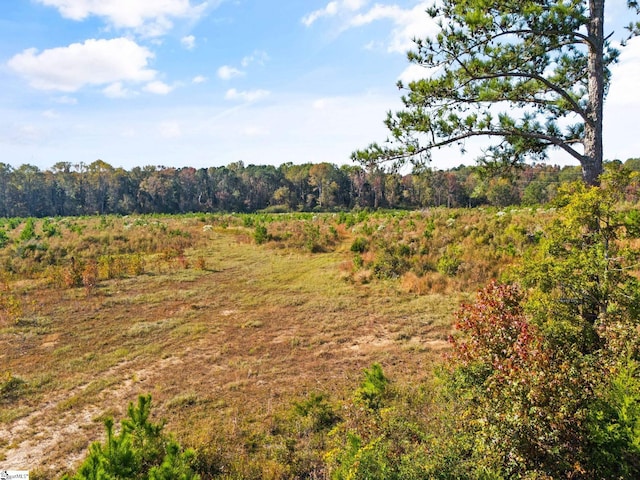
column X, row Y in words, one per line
column 326, row 345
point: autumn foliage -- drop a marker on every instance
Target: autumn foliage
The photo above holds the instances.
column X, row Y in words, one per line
column 525, row 401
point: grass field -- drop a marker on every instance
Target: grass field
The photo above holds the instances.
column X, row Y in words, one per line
column 224, row 333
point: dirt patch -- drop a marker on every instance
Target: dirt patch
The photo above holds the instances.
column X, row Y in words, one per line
column 36, row 438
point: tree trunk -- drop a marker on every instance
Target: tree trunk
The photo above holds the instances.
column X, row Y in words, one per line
column 593, row 151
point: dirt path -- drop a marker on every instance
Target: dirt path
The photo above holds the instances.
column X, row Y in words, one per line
column 36, row 439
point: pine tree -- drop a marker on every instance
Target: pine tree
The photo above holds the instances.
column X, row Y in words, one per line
column 140, row 451
column 532, row 74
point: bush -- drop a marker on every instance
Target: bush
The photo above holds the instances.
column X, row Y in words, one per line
column 260, row 234
column 318, row 411
column 4, row 238
column 526, row 399
column 11, row 387
column 448, row 265
column 614, row 424
column 359, row 245
column 29, row 231
column 373, row 387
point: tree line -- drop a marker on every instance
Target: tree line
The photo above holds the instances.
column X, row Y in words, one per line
column 99, row 188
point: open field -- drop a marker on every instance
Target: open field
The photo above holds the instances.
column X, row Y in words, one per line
column 222, row 332
column 256, row 334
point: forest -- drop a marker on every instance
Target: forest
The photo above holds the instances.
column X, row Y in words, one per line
column 98, row 188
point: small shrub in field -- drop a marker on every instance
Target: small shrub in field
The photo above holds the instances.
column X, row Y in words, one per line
column 141, row 450
column 11, row 387
column 429, row 283
column 373, row 388
column 359, row 245
column 170, row 253
column 260, row 234
column 14, row 223
column 312, row 238
column 429, row 229
column 200, row 263
column 135, row 264
column 358, row 261
column 29, row 231
column 72, row 275
column 317, row 411
column 10, row 305
column 90, row 276
column 50, row 229
column 448, row 265
column 4, row 238
column 363, row 276
column 105, row 266
column 389, row 264
column 183, row 262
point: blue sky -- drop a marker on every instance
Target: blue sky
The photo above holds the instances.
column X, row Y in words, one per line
column 195, row 83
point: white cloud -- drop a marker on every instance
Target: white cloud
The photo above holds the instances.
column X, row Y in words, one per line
column 416, row 72
column 94, row 62
column 151, row 17
column 332, row 9
column 246, row 96
column 199, row 79
column 408, row 24
column 354, row 5
column 227, row 73
column 116, row 90
column 170, row 130
column 258, row 56
column 188, row 42
column 50, row 114
column 158, row 88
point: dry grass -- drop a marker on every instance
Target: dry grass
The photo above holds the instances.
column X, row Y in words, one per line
column 223, row 334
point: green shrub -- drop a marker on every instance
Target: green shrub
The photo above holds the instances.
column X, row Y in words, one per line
column 260, row 234
column 360, row 245
column 50, row 229
column 632, row 223
column 318, row 411
column 614, row 424
column 373, row 388
column 448, row 265
column 140, row 451
column 389, row 265
column 312, row 241
column 29, row 231
column 14, row 223
column 429, row 229
column 11, row 387
column 4, row 238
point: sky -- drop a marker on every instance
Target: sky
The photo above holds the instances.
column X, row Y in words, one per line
column 200, row 83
